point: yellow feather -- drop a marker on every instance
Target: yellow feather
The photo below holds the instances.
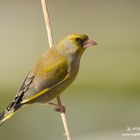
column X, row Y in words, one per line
column 8, row 116
column 42, row 92
column 35, row 96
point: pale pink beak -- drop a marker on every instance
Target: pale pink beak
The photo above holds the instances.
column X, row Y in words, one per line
column 89, row 43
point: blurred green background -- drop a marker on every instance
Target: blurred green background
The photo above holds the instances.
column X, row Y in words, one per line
column 105, row 98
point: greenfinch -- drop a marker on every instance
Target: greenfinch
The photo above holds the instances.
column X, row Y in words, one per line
column 51, row 75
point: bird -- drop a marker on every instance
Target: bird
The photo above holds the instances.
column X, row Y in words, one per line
column 55, row 70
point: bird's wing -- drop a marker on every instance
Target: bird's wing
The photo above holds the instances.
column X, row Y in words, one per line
column 43, row 77
column 23, row 89
column 48, row 75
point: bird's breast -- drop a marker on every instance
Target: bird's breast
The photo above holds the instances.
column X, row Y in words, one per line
column 73, row 69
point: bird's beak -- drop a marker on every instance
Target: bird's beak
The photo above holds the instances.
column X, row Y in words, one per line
column 89, row 43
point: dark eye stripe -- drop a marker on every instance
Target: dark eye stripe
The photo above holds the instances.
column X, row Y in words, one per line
column 81, row 41
column 78, row 39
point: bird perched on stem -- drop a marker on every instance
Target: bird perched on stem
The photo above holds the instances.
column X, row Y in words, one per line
column 51, row 75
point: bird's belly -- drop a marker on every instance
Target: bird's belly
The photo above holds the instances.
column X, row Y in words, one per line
column 58, row 89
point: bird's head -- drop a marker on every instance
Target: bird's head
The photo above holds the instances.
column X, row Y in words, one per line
column 75, row 43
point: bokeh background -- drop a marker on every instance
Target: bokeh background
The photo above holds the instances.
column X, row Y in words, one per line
column 105, row 98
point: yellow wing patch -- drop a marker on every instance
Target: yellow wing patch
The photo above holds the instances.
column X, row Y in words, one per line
column 42, row 92
column 42, row 68
column 35, row 96
column 7, row 117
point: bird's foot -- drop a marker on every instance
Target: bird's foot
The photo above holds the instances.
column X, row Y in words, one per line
column 60, row 108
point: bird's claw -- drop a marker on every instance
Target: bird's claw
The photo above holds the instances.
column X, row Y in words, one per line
column 60, row 108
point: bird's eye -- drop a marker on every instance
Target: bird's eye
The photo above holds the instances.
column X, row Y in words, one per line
column 78, row 39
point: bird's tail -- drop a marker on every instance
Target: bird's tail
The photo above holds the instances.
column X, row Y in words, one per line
column 5, row 115
column 2, row 117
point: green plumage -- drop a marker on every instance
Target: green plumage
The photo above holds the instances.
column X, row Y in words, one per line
column 53, row 73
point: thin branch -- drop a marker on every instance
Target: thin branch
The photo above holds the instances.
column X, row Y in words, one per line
column 64, row 119
column 50, row 38
column 47, row 22
column 65, row 123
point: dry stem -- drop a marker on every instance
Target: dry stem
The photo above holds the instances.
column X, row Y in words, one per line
column 47, row 22
column 64, row 119
column 50, row 38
